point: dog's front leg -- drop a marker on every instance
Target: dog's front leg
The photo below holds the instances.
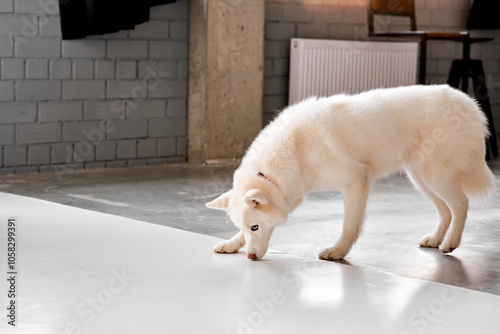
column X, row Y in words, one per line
column 355, row 197
column 232, row 245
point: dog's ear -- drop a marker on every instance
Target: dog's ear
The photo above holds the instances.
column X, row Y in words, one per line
column 255, row 198
column 220, row 203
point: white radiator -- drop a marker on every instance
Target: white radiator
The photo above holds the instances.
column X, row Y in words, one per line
column 327, row 67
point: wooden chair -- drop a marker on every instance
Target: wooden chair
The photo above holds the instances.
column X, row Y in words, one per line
column 461, row 69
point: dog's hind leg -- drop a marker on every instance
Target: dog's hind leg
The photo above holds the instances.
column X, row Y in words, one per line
column 449, row 189
column 459, row 205
column 436, row 237
column 232, row 245
column 355, row 197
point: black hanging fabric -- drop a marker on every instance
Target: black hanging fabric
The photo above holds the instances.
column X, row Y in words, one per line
column 484, row 14
column 80, row 18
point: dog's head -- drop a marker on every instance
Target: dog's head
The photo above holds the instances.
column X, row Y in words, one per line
column 255, row 213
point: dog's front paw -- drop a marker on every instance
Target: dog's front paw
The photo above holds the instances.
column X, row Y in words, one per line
column 226, row 247
column 449, row 245
column 333, row 253
column 430, row 241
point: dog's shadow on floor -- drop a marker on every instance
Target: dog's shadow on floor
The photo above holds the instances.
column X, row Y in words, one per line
column 448, row 269
column 341, row 261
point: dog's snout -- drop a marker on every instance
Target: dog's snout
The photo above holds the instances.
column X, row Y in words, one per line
column 251, row 256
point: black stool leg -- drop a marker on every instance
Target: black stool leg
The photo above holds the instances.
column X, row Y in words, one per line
column 455, row 74
column 487, row 144
column 481, row 94
column 423, row 59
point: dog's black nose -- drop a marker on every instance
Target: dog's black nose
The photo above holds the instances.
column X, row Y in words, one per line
column 252, row 256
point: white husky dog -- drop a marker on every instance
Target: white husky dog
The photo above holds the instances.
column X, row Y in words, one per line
column 436, row 133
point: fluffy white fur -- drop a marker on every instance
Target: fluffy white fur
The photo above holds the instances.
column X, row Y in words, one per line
column 435, row 133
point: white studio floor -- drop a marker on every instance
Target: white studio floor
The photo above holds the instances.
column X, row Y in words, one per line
column 80, row 271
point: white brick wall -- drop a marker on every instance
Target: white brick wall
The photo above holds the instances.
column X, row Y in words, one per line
column 35, row 133
column 15, row 113
column 95, row 102
column 7, row 134
column 37, row 69
column 37, row 47
column 84, row 49
column 15, row 156
column 6, row 46
column 81, row 104
column 38, row 90
column 104, row 69
column 83, row 89
column 6, row 90
column 39, row 155
column 127, row 49
column 60, row 69
column 104, row 110
column 83, row 69
column 12, row 68
column 337, row 19
column 60, row 111
column 6, row 6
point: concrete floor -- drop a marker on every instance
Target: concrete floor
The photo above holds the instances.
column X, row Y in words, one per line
column 397, row 217
column 82, row 271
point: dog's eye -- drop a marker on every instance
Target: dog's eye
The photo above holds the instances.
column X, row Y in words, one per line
column 254, row 227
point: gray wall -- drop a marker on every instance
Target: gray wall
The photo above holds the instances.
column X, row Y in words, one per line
column 113, row 100
column 342, row 19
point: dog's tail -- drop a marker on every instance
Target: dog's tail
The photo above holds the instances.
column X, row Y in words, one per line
column 479, row 184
